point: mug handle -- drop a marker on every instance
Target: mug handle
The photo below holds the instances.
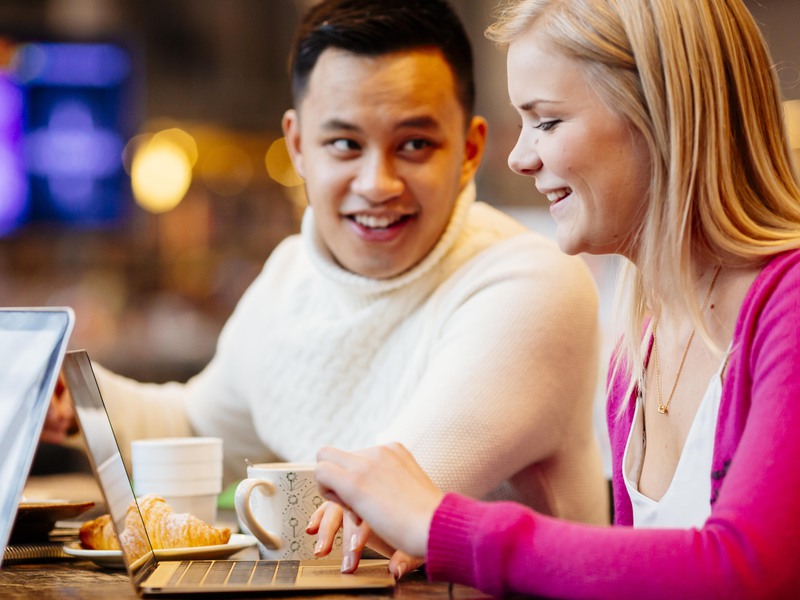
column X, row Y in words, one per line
column 241, row 501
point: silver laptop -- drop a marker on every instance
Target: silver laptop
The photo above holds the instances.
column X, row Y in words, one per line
column 152, row 576
column 32, row 345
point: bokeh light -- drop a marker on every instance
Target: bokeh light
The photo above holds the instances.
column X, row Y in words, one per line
column 279, row 164
column 792, row 111
column 13, row 183
column 227, row 170
column 161, row 169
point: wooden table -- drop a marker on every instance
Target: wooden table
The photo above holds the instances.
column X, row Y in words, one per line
column 74, row 579
column 83, row 580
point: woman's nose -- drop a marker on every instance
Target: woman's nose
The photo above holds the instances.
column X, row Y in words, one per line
column 524, row 158
column 377, row 179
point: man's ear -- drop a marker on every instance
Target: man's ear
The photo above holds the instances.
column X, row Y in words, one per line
column 291, row 130
column 474, row 148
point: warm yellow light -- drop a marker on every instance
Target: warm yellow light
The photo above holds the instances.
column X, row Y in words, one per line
column 161, row 172
column 183, row 140
column 279, row 164
column 792, row 111
column 226, row 169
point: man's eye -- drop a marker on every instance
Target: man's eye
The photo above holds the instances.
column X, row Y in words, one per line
column 415, row 145
column 547, row 125
column 344, row 145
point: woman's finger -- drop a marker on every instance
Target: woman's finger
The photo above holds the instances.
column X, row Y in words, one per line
column 386, row 487
column 355, row 534
column 401, row 563
column 329, row 524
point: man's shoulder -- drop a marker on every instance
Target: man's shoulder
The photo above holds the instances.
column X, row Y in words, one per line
column 483, row 217
column 287, row 261
column 527, row 265
column 506, row 241
column 288, row 250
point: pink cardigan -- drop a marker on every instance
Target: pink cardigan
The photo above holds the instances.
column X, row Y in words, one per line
column 748, row 548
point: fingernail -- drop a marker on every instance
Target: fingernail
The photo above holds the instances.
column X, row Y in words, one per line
column 308, row 526
column 347, row 563
column 318, row 546
column 353, row 543
column 401, row 569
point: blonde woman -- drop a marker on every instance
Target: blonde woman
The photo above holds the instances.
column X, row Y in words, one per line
column 655, row 129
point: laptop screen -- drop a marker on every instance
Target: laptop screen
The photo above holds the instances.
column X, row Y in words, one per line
column 32, row 345
column 107, row 461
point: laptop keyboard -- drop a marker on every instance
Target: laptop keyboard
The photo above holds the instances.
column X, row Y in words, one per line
column 262, row 573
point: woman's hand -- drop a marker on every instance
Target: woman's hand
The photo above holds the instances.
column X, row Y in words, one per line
column 356, row 534
column 385, row 487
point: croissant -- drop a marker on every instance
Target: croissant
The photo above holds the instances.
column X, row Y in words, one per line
column 98, row 534
column 166, row 529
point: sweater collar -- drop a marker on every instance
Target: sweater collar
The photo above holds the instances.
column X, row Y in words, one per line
column 323, row 260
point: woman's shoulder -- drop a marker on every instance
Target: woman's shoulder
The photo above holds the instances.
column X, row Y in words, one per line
column 781, row 272
column 774, row 295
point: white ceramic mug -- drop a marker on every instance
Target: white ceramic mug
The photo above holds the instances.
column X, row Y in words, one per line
column 275, row 503
column 186, row 472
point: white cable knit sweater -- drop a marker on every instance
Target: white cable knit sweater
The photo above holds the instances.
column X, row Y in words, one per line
column 481, row 360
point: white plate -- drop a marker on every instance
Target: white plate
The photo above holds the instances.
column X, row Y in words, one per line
column 113, row 558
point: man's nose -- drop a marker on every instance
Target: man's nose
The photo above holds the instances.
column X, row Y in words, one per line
column 377, row 179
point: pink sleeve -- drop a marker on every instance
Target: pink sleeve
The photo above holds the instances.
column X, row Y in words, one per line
column 749, row 546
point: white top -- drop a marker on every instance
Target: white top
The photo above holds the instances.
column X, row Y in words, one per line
column 687, row 501
column 481, row 359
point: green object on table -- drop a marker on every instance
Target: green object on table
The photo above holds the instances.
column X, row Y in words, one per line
column 225, row 499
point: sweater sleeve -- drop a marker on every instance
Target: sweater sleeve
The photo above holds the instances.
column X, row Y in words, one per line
column 509, row 383
column 747, row 548
column 212, row 403
column 140, row 410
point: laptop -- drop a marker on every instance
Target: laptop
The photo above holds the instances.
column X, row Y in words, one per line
column 152, row 576
column 32, row 346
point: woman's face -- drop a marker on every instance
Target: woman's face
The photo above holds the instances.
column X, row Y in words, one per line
column 589, row 162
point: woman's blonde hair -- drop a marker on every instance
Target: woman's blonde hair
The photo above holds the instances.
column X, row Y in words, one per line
column 695, row 78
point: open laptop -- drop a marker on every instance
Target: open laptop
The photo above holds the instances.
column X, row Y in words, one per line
column 32, row 345
column 152, row 576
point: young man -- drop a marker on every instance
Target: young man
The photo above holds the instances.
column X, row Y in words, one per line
column 405, row 310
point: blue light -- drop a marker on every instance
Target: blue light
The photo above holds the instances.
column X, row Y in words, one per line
column 71, row 152
column 78, row 112
column 72, row 146
column 84, row 65
column 13, row 181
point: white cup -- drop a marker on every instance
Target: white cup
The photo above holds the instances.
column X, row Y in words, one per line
column 177, row 450
column 275, row 503
column 189, row 487
column 161, row 471
column 186, row 472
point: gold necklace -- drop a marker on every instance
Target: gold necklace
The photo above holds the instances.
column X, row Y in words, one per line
column 664, row 408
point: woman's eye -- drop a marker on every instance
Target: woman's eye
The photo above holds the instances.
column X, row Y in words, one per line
column 547, row 125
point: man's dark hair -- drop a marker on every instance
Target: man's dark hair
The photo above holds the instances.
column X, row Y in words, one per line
column 376, row 27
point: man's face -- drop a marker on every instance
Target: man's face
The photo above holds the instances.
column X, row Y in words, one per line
column 382, row 146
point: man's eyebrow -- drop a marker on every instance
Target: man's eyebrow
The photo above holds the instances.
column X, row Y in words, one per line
column 422, row 122
column 338, row 124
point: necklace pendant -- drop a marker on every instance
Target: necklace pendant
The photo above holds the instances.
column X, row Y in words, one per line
column 662, row 409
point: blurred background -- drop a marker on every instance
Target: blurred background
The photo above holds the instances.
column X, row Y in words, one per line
column 143, row 179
